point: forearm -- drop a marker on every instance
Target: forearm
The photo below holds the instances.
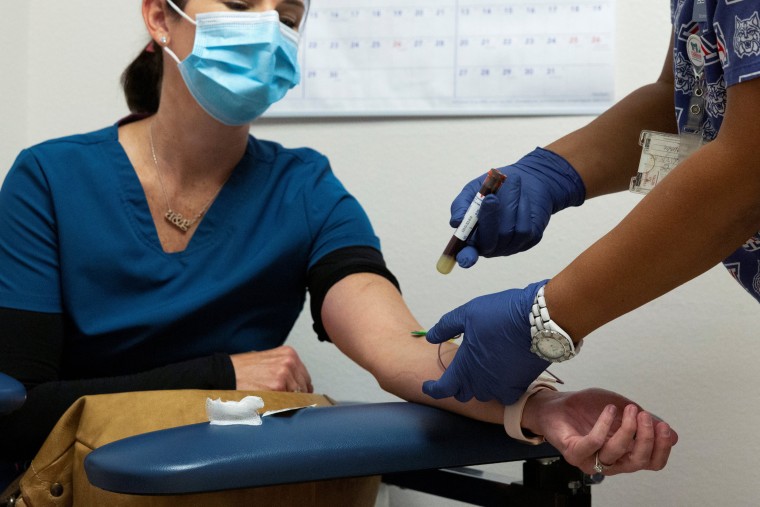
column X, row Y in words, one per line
column 694, row 218
column 404, row 376
column 368, row 320
column 606, row 151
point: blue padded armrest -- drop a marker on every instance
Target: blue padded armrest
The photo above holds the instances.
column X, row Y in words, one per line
column 310, row 444
column 12, row 394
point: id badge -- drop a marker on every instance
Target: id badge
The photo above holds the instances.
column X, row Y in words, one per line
column 660, row 154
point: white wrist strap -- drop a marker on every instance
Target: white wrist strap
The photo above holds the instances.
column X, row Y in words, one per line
column 513, row 414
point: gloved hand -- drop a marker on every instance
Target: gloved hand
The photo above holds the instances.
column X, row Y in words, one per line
column 513, row 220
column 494, row 359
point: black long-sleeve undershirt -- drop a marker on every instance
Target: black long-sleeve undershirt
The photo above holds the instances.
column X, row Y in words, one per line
column 31, row 350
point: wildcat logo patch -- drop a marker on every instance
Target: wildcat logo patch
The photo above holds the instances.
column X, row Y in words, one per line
column 684, row 74
column 747, row 36
column 715, row 99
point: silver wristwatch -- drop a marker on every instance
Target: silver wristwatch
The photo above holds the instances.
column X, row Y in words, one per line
column 548, row 340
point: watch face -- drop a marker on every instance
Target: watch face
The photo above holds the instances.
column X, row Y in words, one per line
column 550, row 347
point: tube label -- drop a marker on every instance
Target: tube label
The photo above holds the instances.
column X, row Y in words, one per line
column 470, row 218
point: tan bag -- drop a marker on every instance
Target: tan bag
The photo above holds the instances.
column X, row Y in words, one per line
column 56, row 476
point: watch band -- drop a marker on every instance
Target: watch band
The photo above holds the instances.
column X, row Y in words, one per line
column 541, row 321
column 540, row 316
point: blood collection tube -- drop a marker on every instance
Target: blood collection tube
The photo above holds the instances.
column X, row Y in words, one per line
column 448, row 258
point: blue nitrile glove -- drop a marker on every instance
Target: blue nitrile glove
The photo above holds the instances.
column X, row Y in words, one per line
column 494, row 359
column 513, row 220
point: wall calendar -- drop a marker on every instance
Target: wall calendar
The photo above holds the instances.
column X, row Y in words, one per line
column 454, row 57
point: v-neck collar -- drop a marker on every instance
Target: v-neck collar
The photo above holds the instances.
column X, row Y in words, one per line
column 216, row 222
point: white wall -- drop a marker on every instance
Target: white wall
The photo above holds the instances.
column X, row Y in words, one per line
column 687, row 357
column 13, row 81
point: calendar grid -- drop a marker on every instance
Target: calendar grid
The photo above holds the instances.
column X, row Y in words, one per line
column 471, row 57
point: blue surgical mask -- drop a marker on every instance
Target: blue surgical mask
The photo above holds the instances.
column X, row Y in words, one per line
column 241, row 63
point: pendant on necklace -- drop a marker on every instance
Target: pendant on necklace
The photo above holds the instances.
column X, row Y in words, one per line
column 177, row 220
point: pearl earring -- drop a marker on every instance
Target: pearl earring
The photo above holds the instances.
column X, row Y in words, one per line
column 164, row 40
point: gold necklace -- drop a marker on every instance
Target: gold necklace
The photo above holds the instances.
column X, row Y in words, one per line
column 176, row 218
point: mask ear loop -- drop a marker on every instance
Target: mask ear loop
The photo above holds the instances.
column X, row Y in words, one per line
column 172, row 54
column 180, row 12
column 302, row 25
column 164, row 45
column 163, row 40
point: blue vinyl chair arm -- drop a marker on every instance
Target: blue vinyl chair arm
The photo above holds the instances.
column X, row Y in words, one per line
column 311, row 444
column 12, row 394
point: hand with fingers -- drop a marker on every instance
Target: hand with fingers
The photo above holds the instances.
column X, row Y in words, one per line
column 513, row 220
column 278, row 369
column 494, row 360
column 600, row 431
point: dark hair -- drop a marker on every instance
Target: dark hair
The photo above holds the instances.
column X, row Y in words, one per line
column 141, row 80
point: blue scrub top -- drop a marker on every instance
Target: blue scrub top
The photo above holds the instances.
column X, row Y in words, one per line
column 77, row 236
column 730, row 43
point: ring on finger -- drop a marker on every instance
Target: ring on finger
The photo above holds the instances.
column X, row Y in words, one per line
column 297, row 389
column 599, row 467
